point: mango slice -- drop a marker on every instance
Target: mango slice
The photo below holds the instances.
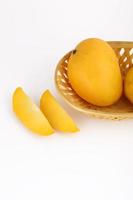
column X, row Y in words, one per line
column 55, row 114
column 29, row 114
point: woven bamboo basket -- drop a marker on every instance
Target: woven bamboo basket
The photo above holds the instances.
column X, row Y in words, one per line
column 123, row 109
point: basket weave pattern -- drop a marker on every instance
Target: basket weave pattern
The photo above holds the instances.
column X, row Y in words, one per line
column 121, row 110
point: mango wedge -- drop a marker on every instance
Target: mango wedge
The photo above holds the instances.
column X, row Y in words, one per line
column 29, row 114
column 56, row 115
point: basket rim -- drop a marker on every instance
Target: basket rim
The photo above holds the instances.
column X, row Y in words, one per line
column 118, row 44
column 121, row 44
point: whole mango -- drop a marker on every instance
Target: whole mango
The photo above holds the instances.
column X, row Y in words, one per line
column 128, row 85
column 94, row 72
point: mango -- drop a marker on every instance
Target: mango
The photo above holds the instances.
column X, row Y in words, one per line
column 29, row 114
column 128, row 85
column 55, row 114
column 94, row 72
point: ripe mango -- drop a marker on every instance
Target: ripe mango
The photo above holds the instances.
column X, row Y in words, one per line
column 57, row 116
column 29, row 114
column 94, row 72
column 128, row 85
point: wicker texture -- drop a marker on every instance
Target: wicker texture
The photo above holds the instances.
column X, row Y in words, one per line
column 121, row 110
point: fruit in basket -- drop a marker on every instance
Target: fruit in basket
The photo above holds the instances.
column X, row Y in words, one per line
column 94, row 72
column 128, row 85
column 56, row 115
column 29, row 114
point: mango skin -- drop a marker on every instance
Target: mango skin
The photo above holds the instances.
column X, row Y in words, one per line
column 128, row 85
column 57, row 116
column 94, row 72
column 29, row 114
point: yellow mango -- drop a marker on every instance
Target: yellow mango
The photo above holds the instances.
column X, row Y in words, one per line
column 29, row 114
column 128, row 85
column 94, row 72
column 55, row 114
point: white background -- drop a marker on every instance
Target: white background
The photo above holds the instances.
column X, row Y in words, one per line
column 97, row 162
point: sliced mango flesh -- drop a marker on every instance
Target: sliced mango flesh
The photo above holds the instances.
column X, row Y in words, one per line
column 29, row 114
column 55, row 114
